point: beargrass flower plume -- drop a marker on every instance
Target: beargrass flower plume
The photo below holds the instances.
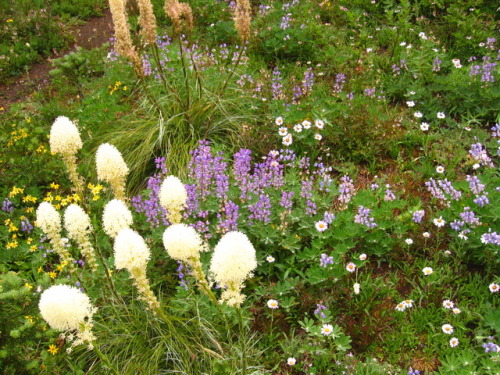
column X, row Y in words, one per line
column 233, row 261
column 179, row 12
column 67, row 309
column 78, row 226
column 112, row 168
column 184, row 244
column 123, row 41
column 49, row 221
column 131, row 253
column 116, row 216
column 147, row 21
column 242, row 19
column 65, row 140
column 173, row 197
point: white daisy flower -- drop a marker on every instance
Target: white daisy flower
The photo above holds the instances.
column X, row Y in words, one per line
column 319, row 124
column 270, row 259
column 440, row 115
column 321, row 226
column 447, row 304
column 418, row 114
column 454, row 342
column 410, row 103
column 494, row 287
column 327, row 329
column 297, row 128
column 362, row 257
column 306, row 124
column 439, row 222
column 447, row 328
column 279, row 121
column 424, row 126
column 427, row 271
column 440, row 169
column 272, row 304
column 291, row 361
column 409, row 241
column 287, row 140
column 456, row 310
column 401, row 306
column 283, row 131
column 426, row 234
column 318, row 137
column 351, row 267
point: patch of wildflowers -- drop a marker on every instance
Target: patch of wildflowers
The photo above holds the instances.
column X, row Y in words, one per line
column 363, row 217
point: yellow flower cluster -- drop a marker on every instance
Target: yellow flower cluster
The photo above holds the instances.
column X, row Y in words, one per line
column 95, row 190
column 16, row 136
column 61, row 201
column 117, row 86
column 29, row 199
column 15, row 190
column 41, row 149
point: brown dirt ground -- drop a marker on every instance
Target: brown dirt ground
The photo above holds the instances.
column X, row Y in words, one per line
column 94, row 33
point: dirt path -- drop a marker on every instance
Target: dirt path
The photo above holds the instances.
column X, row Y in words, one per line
column 94, row 33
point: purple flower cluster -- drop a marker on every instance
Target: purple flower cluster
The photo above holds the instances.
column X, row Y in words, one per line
column 411, row 371
column 26, row 225
column 228, row 219
column 338, row 86
column 7, row 206
column 328, row 217
column 418, row 216
column 469, row 217
column 319, row 310
column 276, row 85
column 389, row 195
column 491, row 347
column 491, row 237
column 479, row 153
column 495, row 131
column 180, row 274
column 156, row 215
column 346, row 189
column 261, row 210
column 286, row 200
column 370, row 92
column 308, row 81
column 306, row 193
column 439, row 188
column 475, row 185
column 363, row 217
column 436, row 65
column 325, row 260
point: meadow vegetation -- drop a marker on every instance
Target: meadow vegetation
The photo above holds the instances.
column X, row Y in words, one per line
column 253, row 187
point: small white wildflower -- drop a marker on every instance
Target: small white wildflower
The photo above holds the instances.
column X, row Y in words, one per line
column 291, row 361
column 279, row 121
column 321, row 226
column 297, row 128
column 409, row 241
column 454, row 342
column 319, row 124
column 447, row 328
column 418, row 114
column 440, row 115
column 362, row 257
column 272, row 304
column 318, row 137
column 427, row 271
column 439, row 222
column 283, row 131
column 287, row 140
column 401, row 306
column 306, row 124
column 456, row 311
column 402, row 44
column 356, row 288
column 426, row 235
column 440, row 169
column 270, row 259
column 476, row 166
column 494, row 288
column 410, row 103
column 351, row 267
column 408, row 303
column 447, row 304
column 327, row 329
column 424, row 126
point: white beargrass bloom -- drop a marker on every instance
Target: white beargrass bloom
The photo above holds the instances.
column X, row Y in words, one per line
column 76, row 222
column 48, row 219
column 233, row 261
column 182, row 242
column 64, row 137
column 116, row 216
column 130, row 250
column 173, row 197
column 65, row 307
column 78, row 226
column 112, row 168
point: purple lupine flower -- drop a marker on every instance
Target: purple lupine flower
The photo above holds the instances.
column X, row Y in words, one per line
column 7, row 206
column 285, row 21
column 491, row 347
column 479, row 153
column 338, row 86
column 308, row 81
column 491, row 237
column 297, row 94
column 374, row 186
column 363, row 217
column 346, row 189
column 319, row 310
column 475, row 185
column 469, row 217
column 389, row 195
column 435, row 191
column 411, row 371
column 26, row 226
column 482, row 200
column 370, row 92
column 286, row 200
column 306, row 193
column 276, row 86
column 350, row 96
column 203, row 228
column 192, row 203
column 325, row 260
column 261, row 210
column 436, row 65
column 180, row 274
column 328, row 217
column 457, row 225
column 495, row 131
column 418, row 216
column 228, row 219
column 449, row 189
column 201, row 169
column 488, row 70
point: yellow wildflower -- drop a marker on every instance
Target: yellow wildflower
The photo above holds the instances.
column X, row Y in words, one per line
column 53, row 349
column 29, row 286
column 29, row 209
column 30, row 318
column 57, row 206
column 30, row 198
column 52, row 274
column 40, row 269
column 29, row 240
column 9, row 20
column 12, row 227
column 28, row 120
column 41, row 149
column 54, row 185
column 58, row 198
column 60, row 267
column 76, row 198
column 15, row 190
column 12, row 245
column 32, row 248
column 14, row 236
